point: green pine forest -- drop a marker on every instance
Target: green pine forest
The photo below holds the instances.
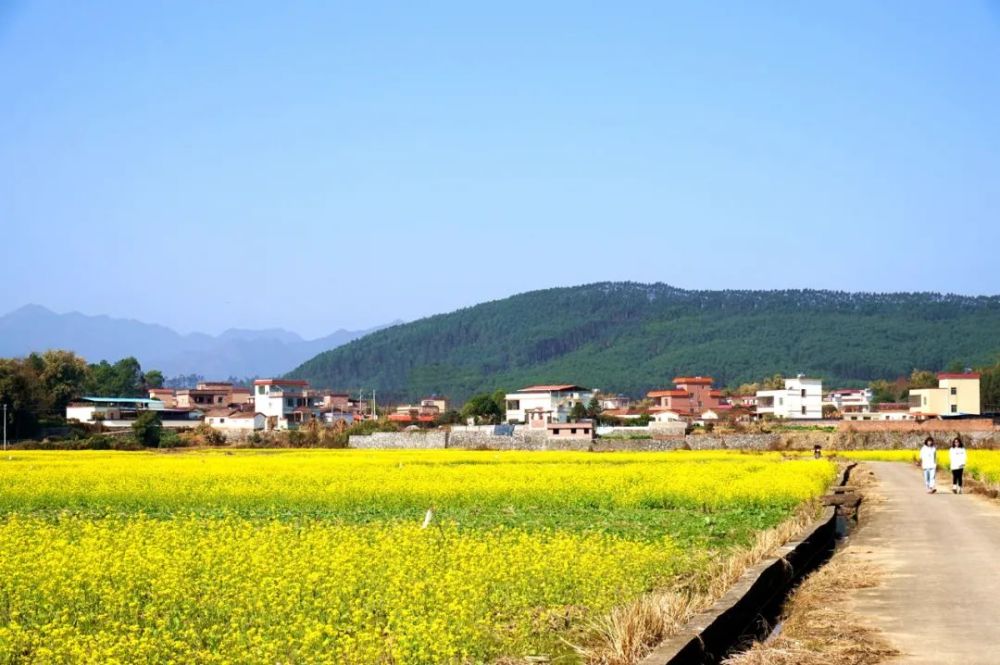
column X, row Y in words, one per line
column 629, row 337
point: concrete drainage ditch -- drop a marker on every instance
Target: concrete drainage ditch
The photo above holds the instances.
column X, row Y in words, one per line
column 750, row 610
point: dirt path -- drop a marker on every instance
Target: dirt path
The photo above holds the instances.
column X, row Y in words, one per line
column 939, row 602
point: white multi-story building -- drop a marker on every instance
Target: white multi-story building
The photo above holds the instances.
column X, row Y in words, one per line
column 800, row 399
column 284, row 403
column 850, row 400
column 539, row 405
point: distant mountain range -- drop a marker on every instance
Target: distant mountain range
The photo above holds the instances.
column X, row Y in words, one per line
column 236, row 352
column 632, row 337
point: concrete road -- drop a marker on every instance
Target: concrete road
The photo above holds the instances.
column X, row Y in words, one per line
column 939, row 601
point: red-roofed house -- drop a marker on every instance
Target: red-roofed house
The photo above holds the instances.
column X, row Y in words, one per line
column 539, row 405
column 690, row 398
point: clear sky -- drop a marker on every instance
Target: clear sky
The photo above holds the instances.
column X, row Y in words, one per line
column 325, row 165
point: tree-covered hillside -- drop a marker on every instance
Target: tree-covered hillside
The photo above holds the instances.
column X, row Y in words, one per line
column 631, row 337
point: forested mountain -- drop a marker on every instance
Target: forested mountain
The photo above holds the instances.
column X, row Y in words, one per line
column 631, row 337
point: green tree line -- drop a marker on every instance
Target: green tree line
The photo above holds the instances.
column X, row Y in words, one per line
column 37, row 388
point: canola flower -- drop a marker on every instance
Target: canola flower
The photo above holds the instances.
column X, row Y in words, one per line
column 982, row 465
column 320, row 556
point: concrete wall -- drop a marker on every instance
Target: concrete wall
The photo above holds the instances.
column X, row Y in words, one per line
column 524, row 438
column 387, row 440
column 527, row 439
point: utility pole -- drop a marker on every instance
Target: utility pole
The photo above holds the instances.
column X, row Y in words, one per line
column 5, row 426
column 374, row 414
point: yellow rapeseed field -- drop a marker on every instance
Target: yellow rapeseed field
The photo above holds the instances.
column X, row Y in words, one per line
column 982, row 464
column 329, row 557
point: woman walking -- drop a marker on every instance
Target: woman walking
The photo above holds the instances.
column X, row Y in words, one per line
column 928, row 462
column 956, row 458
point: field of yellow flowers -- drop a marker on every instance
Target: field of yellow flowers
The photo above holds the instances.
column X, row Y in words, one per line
column 982, row 465
column 358, row 556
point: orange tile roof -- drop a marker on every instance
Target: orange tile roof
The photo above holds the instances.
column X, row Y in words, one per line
column 962, row 375
column 697, row 380
column 667, row 393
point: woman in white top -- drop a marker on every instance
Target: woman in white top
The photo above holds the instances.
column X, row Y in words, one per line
column 928, row 462
column 956, row 456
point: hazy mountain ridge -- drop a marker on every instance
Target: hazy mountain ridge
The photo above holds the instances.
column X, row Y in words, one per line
column 235, row 352
column 632, row 337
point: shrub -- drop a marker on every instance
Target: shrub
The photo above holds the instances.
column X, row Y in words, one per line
column 99, row 442
column 147, row 429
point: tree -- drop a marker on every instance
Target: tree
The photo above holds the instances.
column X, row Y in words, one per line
column 451, row 417
column 989, row 388
column 578, row 412
column 483, row 408
column 884, row 391
column 921, row 378
column 123, row 379
column 594, row 408
column 20, row 390
column 63, row 375
column 500, row 399
column 776, row 382
column 153, row 379
column 830, row 411
column 147, row 429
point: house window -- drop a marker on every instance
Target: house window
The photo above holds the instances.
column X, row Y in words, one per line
column 260, row 390
column 290, row 402
column 222, row 420
column 803, row 392
column 572, row 430
column 803, row 410
column 954, row 408
column 954, row 391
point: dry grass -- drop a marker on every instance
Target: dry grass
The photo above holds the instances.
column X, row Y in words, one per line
column 631, row 631
column 818, row 629
column 817, row 626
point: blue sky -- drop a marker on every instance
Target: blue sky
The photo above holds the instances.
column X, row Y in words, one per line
column 325, row 165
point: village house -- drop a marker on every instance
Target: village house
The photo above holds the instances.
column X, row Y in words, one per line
column 691, row 397
column 213, row 394
column 877, row 416
column 427, row 411
column 800, row 399
column 121, row 412
column 537, row 406
column 956, row 395
column 235, row 423
column 582, row 429
column 849, row 400
column 285, row 403
column 165, row 395
column 617, row 402
column 625, row 414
